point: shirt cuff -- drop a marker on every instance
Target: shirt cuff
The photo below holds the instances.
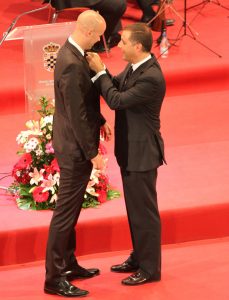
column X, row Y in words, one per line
column 93, row 79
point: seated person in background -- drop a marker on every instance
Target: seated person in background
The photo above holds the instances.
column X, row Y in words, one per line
column 148, row 14
column 111, row 10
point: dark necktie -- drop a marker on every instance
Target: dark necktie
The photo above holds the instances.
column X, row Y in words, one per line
column 128, row 74
column 92, row 73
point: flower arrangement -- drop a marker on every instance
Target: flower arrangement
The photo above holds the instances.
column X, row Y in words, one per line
column 36, row 174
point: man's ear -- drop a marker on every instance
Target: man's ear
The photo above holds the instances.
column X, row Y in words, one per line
column 138, row 47
column 89, row 33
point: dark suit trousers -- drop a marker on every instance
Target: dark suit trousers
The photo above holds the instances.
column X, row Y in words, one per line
column 144, row 219
column 74, row 177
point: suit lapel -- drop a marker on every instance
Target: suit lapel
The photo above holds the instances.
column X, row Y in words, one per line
column 77, row 54
column 135, row 75
column 123, row 79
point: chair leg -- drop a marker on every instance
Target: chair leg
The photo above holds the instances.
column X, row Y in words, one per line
column 54, row 17
column 105, row 46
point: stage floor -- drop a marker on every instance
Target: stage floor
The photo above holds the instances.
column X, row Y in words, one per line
column 193, row 188
column 196, row 270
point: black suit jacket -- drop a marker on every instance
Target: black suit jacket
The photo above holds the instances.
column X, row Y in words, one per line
column 77, row 117
column 138, row 142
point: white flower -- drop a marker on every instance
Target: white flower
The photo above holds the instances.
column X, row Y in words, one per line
column 46, row 120
column 39, row 151
column 23, row 137
column 36, row 132
column 53, row 198
column 48, row 136
column 56, row 178
column 36, row 176
column 95, row 175
column 32, row 125
column 49, row 184
column 91, row 183
column 91, row 191
column 31, row 144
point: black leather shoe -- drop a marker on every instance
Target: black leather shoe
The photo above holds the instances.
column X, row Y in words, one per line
column 114, row 40
column 140, row 278
column 124, row 268
column 64, row 288
column 80, row 273
column 169, row 22
column 99, row 48
column 146, row 19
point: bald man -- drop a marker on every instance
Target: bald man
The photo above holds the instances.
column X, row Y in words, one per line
column 76, row 130
column 111, row 10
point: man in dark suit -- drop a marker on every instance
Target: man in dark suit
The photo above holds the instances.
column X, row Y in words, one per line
column 111, row 10
column 137, row 99
column 76, row 131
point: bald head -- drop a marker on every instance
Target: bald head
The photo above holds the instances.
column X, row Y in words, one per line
column 89, row 19
column 90, row 25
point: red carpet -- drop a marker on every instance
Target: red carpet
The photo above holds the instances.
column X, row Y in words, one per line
column 193, row 189
column 190, row 271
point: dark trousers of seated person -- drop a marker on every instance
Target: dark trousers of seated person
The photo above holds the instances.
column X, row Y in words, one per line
column 111, row 10
column 147, row 11
column 74, row 177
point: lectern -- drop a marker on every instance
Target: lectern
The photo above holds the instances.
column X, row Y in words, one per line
column 41, row 45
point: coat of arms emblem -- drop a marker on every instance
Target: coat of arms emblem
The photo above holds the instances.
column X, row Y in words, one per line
column 50, row 55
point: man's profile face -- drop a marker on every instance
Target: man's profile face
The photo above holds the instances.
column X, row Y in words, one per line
column 96, row 34
column 127, row 47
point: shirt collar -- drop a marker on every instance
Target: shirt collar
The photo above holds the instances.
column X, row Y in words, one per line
column 135, row 66
column 71, row 41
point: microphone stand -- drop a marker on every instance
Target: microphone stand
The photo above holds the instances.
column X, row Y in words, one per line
column 14, row 22
column 185, row 25
column 205, row 2
column 168, row 4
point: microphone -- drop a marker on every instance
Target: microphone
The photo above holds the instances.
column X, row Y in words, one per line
column 18, row 17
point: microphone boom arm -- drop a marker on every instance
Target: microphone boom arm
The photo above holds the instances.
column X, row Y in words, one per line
column 14, row 22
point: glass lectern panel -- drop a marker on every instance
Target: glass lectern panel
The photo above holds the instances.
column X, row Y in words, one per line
column 41, row 45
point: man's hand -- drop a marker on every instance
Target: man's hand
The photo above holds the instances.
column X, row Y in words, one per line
column 95, row 62
column 98, row 162
column 105, row 132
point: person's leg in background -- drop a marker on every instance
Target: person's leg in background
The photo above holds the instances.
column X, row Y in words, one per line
column 112, row 11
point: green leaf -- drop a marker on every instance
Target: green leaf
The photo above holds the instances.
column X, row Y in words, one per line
column 24, row 191
column 32, row 189
column 33, row 205
column 23, row 204
column 20, row 152
column 90, row 202
column 111, row 194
